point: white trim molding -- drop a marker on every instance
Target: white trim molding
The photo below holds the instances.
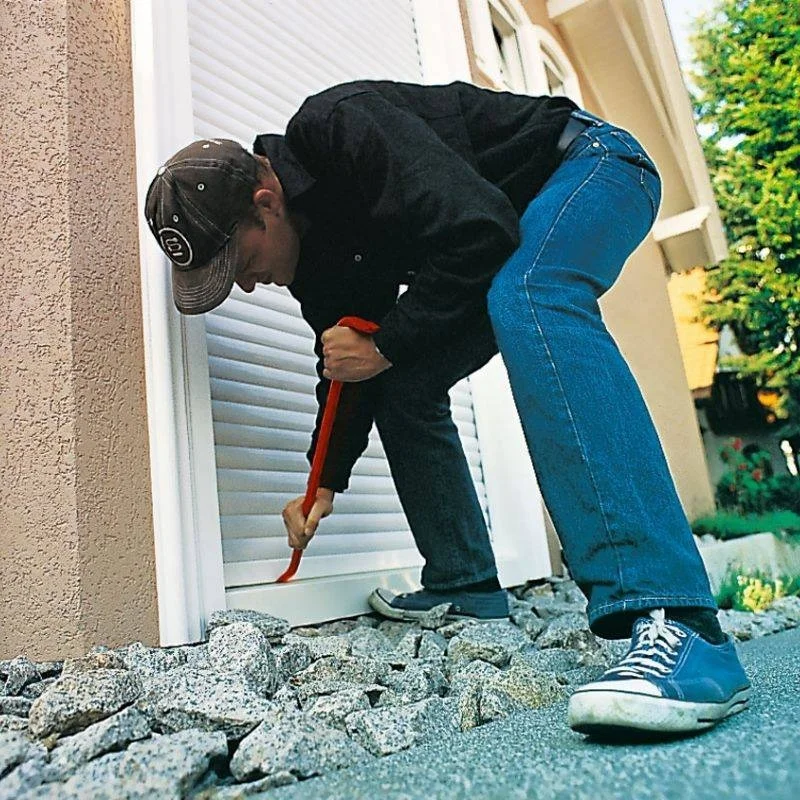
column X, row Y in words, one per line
column 637, row 83
column 441, row 40
column 680, row 224
column 188, row 548
column 539, row 50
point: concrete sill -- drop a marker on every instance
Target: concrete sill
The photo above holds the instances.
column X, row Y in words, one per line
column 759, row 551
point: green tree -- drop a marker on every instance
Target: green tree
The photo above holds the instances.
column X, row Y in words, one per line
column 747, row 79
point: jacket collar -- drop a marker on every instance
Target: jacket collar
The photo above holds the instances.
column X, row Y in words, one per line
column 294, row 177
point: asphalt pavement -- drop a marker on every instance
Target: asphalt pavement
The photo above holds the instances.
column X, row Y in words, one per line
column 534, row 754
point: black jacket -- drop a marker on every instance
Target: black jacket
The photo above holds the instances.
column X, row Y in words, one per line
column 405, row 184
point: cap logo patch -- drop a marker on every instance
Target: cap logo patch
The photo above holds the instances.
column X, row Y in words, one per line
column 176, row 246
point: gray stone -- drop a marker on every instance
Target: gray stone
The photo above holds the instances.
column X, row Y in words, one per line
column 348, row 670
column 369, row 642
column 292, row 658
column 307, row 692
column 49, row 669
column 464, row 674
column 435, row 617
column 569, row 592
column 27, row 777
column 789, row 607
column 338, row 627
column 34, row 690
column 166, row 767
column 16, row 748
column 248, row 789
column 467, row 704
column 20, row 672
column 273, row 628
column 737, row 623
column 113, row 733
column 196, row 656
column 11, row 722
column 321, row 646
column 241, row 647
column 571, row 630
column 432, row 645
column 186, row 698
column 93, row 661
column 517, row 688
column 333, row 708
column 286, row 699
column 538, row 591
column 19, row 706
column 550, row 607
column 76, row 700
column 301, row 746
column 529, row 623
column 408, row 645
column 396, row 630
column 389, row 730
column 454, row 628
column 554, row 660
column 491, row 641
column 416, row 682
column 151, row 660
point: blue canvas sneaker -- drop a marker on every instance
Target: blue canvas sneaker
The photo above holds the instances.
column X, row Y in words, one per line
column 463, row 604
column 670, row 681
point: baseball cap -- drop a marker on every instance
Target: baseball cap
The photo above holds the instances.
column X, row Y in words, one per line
column 192, row 208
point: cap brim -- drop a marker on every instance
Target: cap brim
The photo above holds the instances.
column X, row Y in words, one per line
column 198, row 290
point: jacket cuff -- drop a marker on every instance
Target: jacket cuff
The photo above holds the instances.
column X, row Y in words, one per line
column 394, row 347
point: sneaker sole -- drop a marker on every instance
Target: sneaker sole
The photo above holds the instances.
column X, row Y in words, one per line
column 377, row 603
column 599, row 711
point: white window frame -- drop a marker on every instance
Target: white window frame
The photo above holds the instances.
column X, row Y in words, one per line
column 187, row 538
column 537, row 48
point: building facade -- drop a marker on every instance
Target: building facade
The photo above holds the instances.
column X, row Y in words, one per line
column 148, row 456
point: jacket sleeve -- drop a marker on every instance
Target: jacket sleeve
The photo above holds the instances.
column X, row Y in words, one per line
column 354, row 415
column 414, row 186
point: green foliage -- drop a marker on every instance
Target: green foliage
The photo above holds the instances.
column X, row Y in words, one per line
column 726, row 525
column 754, row 590
column 747, row 56
column 749, row 486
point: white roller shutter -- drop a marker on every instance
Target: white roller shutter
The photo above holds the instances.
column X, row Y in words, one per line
column 253, row 62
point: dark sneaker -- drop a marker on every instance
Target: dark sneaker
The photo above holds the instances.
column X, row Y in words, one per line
column 463, row 605
column 670, row 681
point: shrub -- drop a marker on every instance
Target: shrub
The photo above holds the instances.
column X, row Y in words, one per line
column 728, row 525
column 748, row 484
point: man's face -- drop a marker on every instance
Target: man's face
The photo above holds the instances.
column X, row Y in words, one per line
column 269, row 254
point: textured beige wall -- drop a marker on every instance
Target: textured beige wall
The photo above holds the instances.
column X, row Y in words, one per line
column 638, row 314
column 76, row 538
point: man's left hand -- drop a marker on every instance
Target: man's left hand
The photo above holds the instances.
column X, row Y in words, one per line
column 350, row 355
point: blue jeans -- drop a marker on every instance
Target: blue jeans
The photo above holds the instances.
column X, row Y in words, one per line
column 596, row 453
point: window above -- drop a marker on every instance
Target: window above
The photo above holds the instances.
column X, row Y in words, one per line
column 516, row 55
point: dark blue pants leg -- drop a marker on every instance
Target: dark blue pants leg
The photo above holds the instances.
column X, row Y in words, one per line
column 592, row 442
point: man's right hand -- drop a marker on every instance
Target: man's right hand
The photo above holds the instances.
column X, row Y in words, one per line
column 301, row 529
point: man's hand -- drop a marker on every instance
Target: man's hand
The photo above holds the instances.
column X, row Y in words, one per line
column 300, row 529
column 350, row 355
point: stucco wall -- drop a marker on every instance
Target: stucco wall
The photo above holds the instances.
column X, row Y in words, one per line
column 77, row 557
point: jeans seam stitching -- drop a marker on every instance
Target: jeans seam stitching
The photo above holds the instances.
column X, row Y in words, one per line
column 555, row 370
column 623, row 604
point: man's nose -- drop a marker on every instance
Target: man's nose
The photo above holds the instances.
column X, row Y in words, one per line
column 246, row 285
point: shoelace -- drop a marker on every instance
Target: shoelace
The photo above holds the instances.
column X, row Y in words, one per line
column 654, row 653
